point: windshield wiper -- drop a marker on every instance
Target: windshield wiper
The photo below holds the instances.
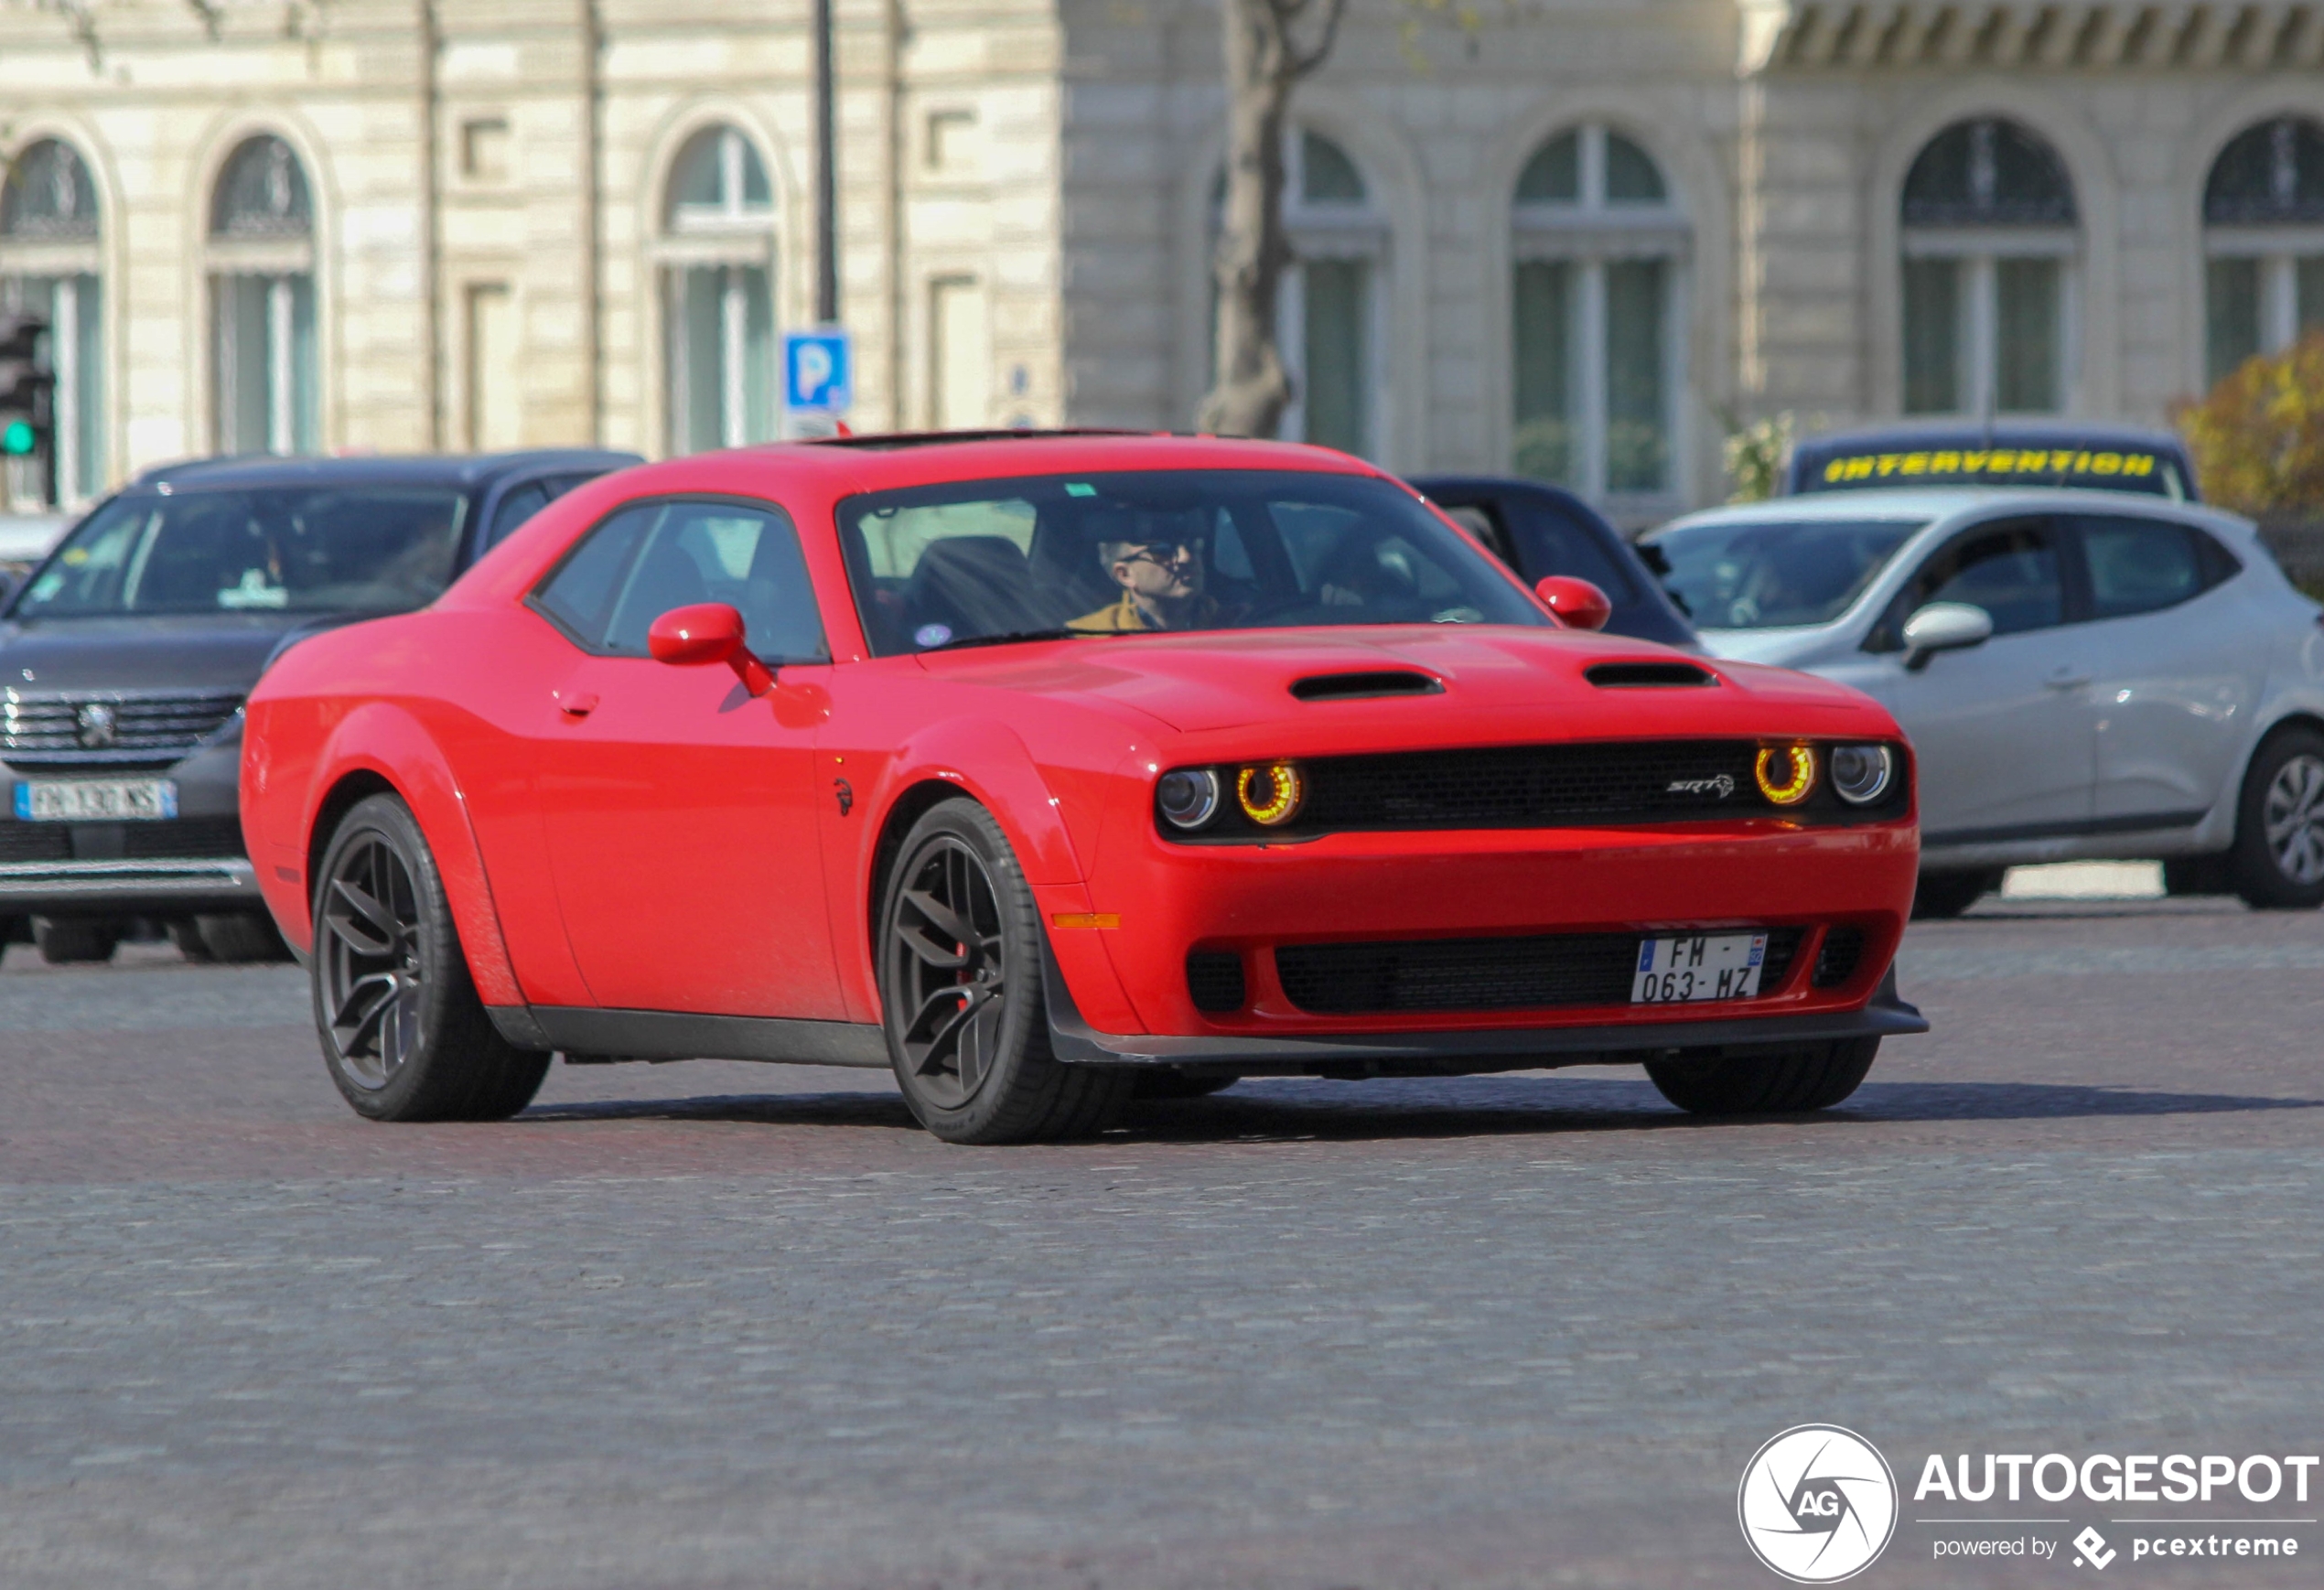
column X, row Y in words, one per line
column 1009, row 637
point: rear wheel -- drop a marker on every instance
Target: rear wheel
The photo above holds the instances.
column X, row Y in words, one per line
column 959, row 992
column 403, row 1032
column 1812, row 1079
column 2278, row 863
column 74, row 941
column 1948, row 893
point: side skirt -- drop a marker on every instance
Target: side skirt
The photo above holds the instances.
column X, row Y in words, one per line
column 663, row 1035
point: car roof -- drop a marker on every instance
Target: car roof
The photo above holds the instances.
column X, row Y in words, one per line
column 2000, row 432
column 1934, row 503
column 463, row 471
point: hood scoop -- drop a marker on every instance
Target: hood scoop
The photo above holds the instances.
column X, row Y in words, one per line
column 1648, row 675
column 1366, row 686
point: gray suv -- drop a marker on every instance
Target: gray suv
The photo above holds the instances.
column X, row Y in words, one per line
column 126, row 653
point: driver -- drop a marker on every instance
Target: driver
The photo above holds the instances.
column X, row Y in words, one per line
column 1159, row 566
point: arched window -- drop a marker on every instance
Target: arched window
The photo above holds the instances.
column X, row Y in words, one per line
column 717, row 255
column 264, row 380
column 1599, row 247
column 2263, row 242
column 52, row 265
column 1989, row 244
column 1330, row 320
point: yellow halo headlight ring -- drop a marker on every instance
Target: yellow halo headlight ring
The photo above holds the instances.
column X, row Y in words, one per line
column 1270, row 792
column 1786, row 774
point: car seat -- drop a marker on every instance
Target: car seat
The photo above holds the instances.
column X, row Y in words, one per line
column 971, row 585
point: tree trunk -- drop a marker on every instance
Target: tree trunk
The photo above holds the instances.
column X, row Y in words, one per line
column 1251, row 388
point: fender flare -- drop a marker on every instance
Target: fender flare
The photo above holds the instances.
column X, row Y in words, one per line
column 989, row 760
column 389, row 743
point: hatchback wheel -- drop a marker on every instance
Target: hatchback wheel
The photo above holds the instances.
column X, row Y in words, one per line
column 403, row 1030
column 2278, row 859
column 74, row 941
column 959, row 992
column 1813, row 1079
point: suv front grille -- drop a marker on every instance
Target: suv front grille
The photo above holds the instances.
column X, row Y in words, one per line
column 108, row 728
column 1463, row 975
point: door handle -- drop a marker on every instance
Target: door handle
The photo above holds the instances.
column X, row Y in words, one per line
column 2066, row 679
column 578, row 705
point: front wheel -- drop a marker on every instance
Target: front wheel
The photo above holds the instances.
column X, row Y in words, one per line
column 2278, row 863
column 403, row 1033
column 960, row 992
column 1812, row 1079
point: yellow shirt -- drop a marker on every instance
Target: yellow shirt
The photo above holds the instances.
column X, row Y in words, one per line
column 1122, row 616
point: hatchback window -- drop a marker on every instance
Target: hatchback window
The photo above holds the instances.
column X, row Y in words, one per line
column 293, row 549
column 1765, row 573
column 2139, row 565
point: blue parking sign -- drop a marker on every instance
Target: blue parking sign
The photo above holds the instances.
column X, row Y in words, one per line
column 818, row 371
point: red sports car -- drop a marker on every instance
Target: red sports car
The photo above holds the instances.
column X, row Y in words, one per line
column 1050, row 769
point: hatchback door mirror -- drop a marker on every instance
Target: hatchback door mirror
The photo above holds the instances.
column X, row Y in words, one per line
column 1943, row 626
column 707, row 633
column 1576, row 601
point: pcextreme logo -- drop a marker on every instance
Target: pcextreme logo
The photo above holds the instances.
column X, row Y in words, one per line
column 1817, row 1504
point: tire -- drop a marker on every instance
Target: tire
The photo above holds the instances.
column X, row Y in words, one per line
column 1943, row 895
column 403, row 1033
column 186, row 933
column 2186, row 875
column 1170, row 1083
column 960, row 960
column 2277, row 862
column 1813, row 1079
column 241, row 937
column 75, row 940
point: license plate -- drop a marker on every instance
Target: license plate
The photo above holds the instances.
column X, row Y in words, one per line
column 1698, row 966
column 97, row 800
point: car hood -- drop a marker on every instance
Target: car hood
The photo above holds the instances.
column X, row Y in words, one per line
column 193, row 651
column 1197, row 683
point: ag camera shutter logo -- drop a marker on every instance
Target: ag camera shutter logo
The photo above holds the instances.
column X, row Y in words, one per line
column 1817, row 1504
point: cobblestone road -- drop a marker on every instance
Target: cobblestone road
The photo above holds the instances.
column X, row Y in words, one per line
column 719, row 1325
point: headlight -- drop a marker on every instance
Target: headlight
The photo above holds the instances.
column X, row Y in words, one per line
column 1786, row 774
column 1270, row 794
column 1188, row 797
column 1862, row 773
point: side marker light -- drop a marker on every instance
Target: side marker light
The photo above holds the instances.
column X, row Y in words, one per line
column 1084, row 920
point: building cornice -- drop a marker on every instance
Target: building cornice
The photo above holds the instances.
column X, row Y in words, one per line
column 1789, row 36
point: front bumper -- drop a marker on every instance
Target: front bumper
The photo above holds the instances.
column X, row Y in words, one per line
column 129, row 887
column 1448, row 1052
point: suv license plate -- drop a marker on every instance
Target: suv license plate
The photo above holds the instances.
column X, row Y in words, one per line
column 1700, row 966
column 97, row 800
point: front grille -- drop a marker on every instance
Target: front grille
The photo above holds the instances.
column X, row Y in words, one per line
column 1215, row 980
column 1538, row 787
column 43, row 729
column 1837, row 962
column 186, row 838
column 1463, row 975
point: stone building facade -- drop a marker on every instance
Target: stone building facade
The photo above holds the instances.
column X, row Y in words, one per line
column 1578, row 239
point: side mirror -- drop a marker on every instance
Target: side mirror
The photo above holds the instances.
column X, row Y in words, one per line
column 1943, row 626
column 1577, row 602
column 707, row 633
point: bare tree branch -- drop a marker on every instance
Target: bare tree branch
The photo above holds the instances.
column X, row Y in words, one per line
column 1303, row 63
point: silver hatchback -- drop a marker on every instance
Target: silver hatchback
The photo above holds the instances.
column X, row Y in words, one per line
column 2083, row 675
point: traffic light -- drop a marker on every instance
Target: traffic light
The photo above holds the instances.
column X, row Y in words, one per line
column 27, row 392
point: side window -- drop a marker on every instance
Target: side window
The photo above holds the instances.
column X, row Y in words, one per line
column 721, row 552
column 655, row 557
column 2010, row 572
column 516, row 505
column 579, row 593
column 1549, row 543
column 2140, row 565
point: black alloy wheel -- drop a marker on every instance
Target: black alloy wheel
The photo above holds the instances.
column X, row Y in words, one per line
column 403, row 1032
column 2278, row 861
column 960, row 984
column 1814, row 1079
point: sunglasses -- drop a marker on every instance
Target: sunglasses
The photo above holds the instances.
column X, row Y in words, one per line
column 1164, row 552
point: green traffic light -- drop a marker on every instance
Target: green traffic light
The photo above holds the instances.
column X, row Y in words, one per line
column 18, row 440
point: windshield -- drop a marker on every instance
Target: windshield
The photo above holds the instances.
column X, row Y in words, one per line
column 1770, row 573
column 296, row 549
column 1161, row 549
